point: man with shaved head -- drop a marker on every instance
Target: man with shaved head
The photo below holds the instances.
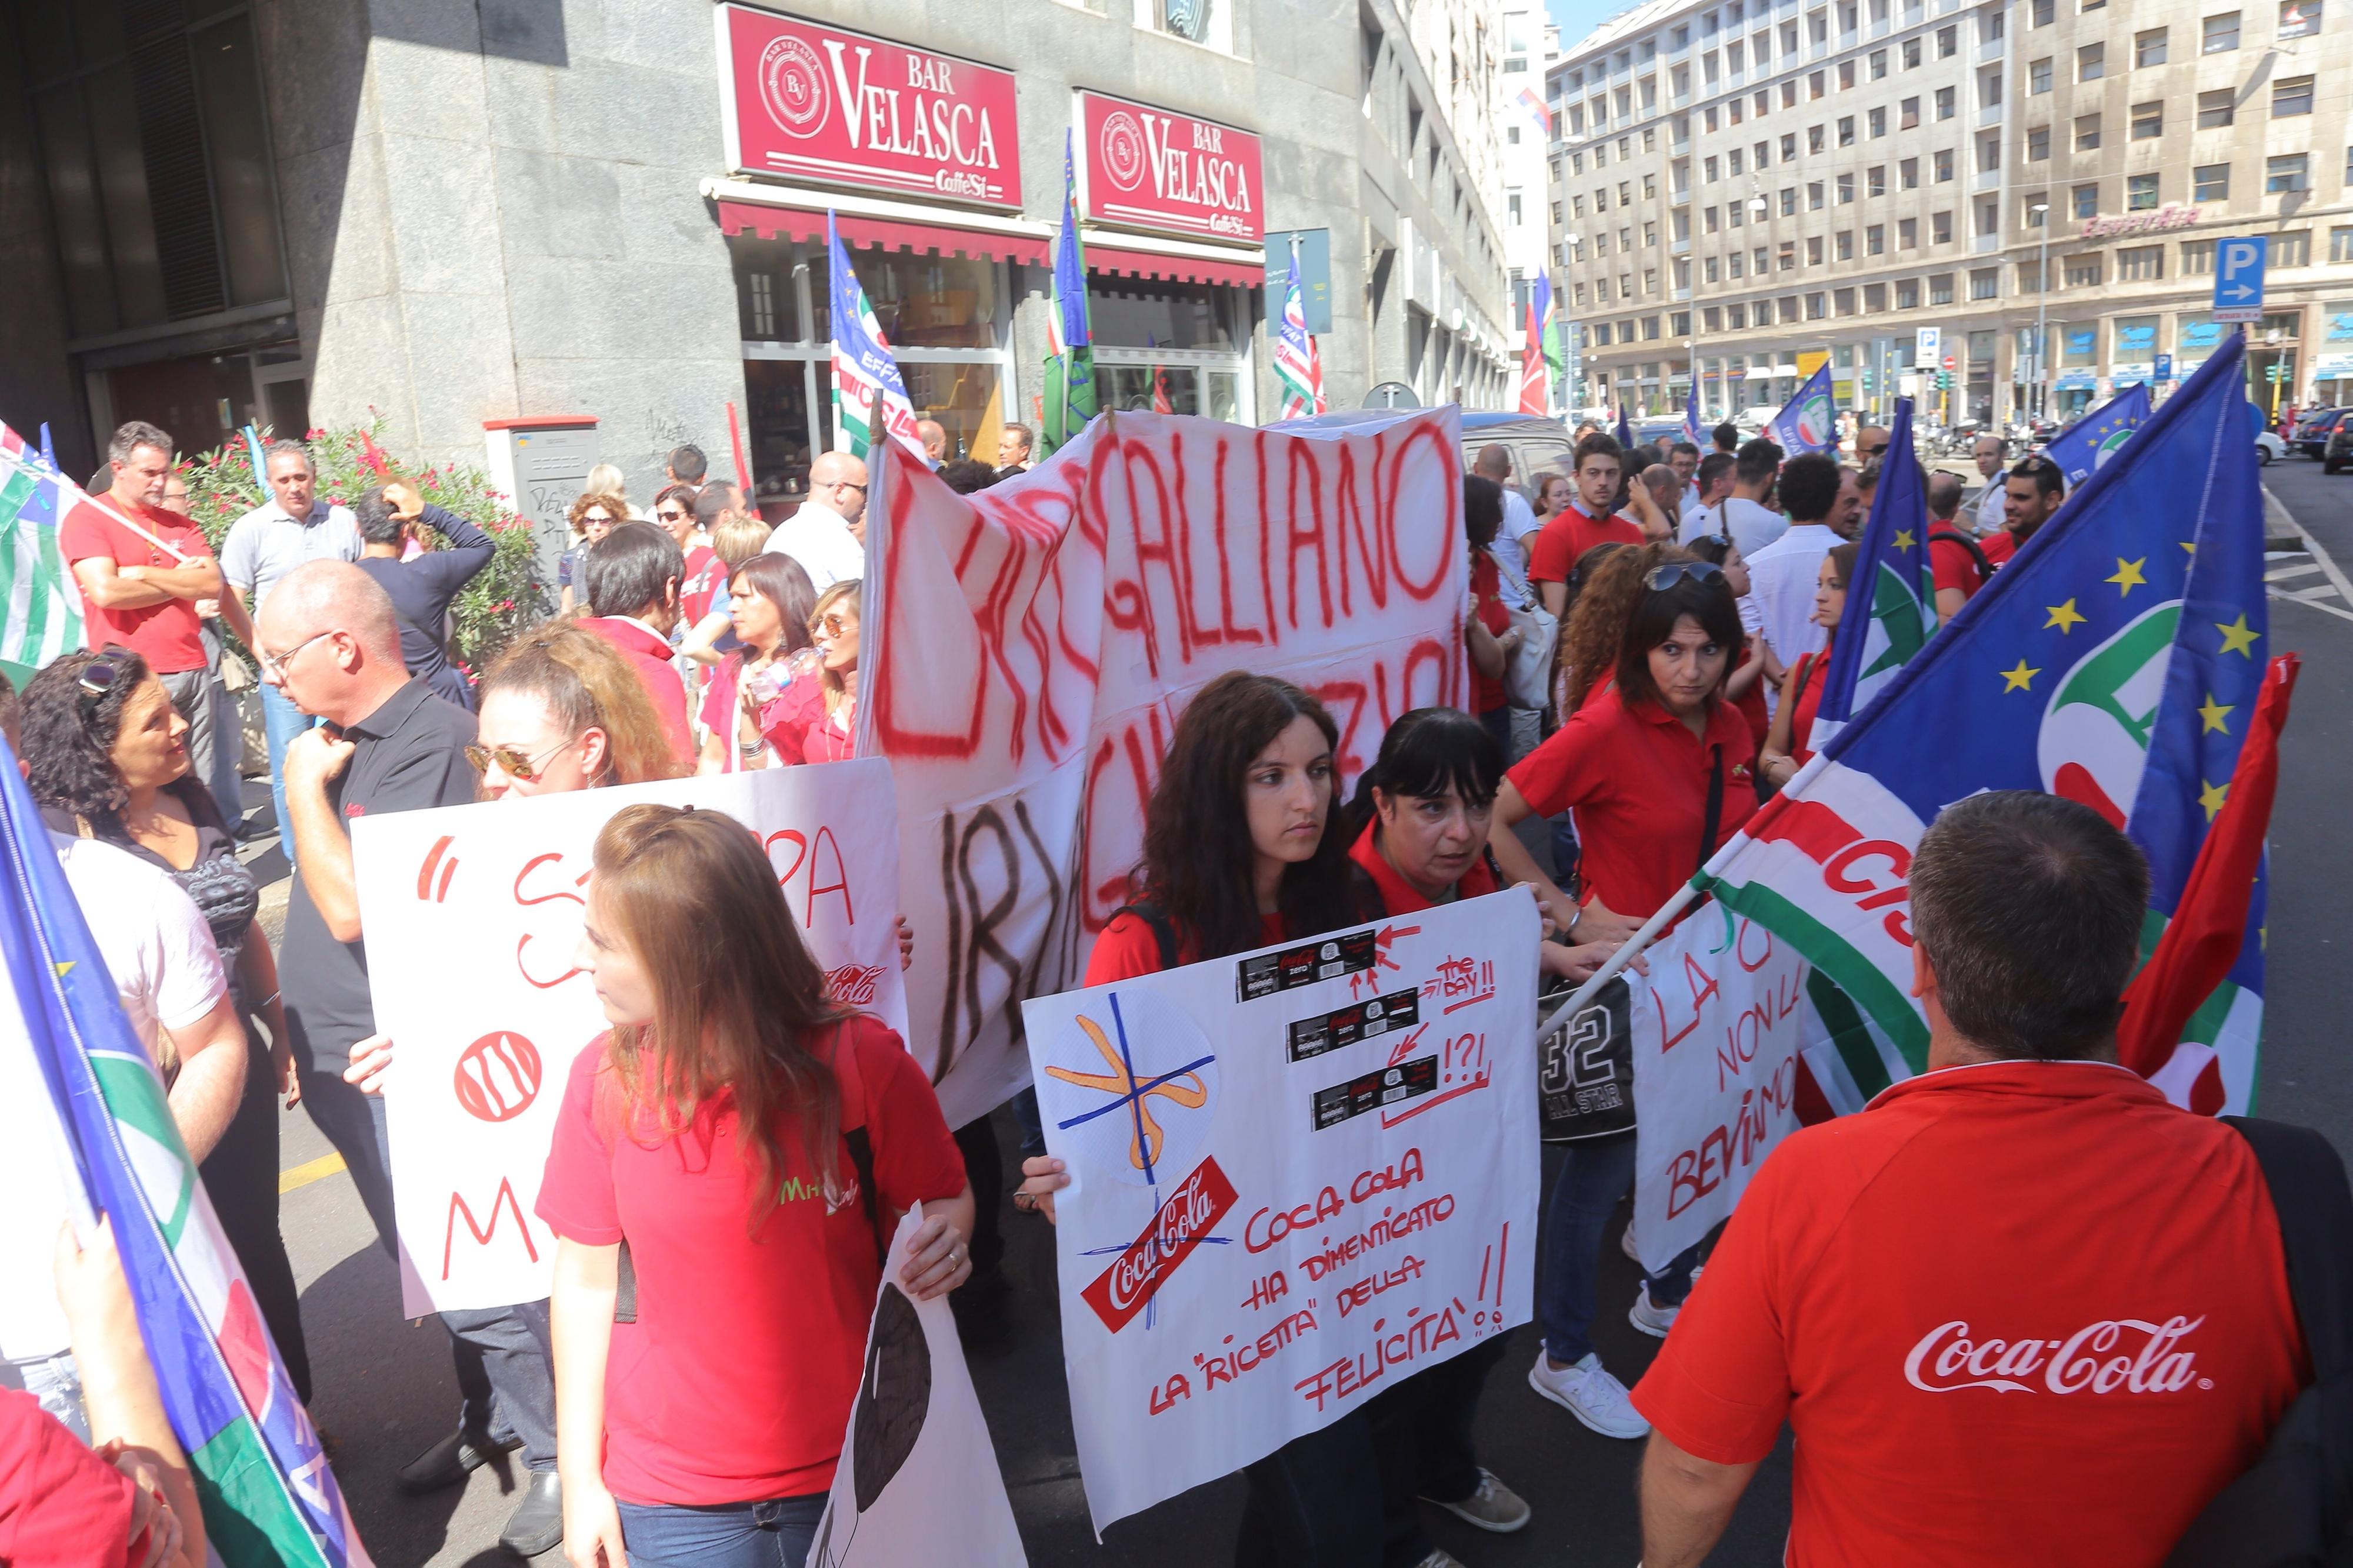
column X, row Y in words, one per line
column 824, row 534
column 329, row 640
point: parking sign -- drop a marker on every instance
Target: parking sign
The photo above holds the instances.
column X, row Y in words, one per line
column 2239, row 278
column 1928, row 347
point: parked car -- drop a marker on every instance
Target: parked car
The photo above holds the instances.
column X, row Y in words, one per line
column 2312, row 431
column 2339, row 450
column 2268, row 447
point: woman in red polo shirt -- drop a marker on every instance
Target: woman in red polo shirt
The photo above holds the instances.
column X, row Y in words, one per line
column 714, row 1132
column 1656, row 770
column 1487, row 629
column 1788, row 743
column 1245, row 846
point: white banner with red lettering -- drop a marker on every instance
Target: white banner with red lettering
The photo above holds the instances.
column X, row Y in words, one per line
column 1298, row 1176
column 1030, row 647
column 473, row 915
column 1719, row 1023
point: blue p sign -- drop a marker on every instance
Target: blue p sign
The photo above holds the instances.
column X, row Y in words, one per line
column 2239, row 278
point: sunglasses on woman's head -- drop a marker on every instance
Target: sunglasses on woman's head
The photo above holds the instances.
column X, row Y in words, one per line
column 1674, row 572
column 100, row 674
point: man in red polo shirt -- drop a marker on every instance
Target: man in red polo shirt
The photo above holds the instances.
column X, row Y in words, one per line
column 1960, row 569
column 632, row 576
column 1585, row 523
column 2033, row 491
column 141, row 571
column 2020, row 1309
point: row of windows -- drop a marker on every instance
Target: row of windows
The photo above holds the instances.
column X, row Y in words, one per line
column 2131, row 264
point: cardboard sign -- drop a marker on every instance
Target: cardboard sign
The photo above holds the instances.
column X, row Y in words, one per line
column 1038, row 639
column 1254, row 1242
column 1719, row 1024
column 1157, row 169
column 473, row 916
column 918, row 1480
column 824, row 104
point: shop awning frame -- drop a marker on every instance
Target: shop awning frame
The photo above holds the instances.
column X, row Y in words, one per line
column 798, row 212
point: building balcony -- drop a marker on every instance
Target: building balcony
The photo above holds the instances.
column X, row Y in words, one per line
column 1985, row 180
column 1991, row 51
column 1681, row 198
column 1985, row 245
column 1679, row 248
column 1680, row 295
column 1990, row 115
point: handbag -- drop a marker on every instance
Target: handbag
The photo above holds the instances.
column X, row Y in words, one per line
column 2290, row 1508
column 1528, row 673
column 1585, row 1068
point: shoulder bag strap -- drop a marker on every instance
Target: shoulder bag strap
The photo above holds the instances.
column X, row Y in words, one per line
column 852, row 1090
column 1163, row 930
column 1715, row 806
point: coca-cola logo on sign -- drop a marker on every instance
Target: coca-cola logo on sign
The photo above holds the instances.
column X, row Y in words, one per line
column 2114, row 1355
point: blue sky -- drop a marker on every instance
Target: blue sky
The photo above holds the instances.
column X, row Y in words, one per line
column 1578, row 17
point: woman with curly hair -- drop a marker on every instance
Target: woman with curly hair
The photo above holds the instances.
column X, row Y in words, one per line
column 594, row 515
column 107, row 759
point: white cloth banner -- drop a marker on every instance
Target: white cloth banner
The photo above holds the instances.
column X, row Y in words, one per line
column 1031, row 646
column 1719, row 1023
column 1297, row 1178
column 473, row 915
column 918, row 1481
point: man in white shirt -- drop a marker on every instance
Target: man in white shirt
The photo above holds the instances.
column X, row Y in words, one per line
column 1986, row 507
column 1752, row 524
column 1825, row 507
column 1703, row 512
column 1511, row 546
column 826, row 535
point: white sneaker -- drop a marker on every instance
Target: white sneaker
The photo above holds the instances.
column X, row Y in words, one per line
column 1591, row 1394
column 1626, row 1242
column 1650, row 1317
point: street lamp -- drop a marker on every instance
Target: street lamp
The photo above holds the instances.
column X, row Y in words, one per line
column 2041, row 213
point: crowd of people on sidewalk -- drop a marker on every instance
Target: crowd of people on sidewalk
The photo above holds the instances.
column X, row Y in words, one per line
column 732, row 1155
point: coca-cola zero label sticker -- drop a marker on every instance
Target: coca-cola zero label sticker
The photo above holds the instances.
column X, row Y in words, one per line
column 1384, row 1086
column 1366, row 1020
column 1326, row 958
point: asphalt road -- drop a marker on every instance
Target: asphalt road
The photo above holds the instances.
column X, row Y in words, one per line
column 384, row 1390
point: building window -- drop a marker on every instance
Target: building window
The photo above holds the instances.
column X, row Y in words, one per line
column 1940, row 289
column 2287, row 174
column 1907, row 173
column 2087, row 133
column 2292, row 248
column 1948, row 41
column 2037, row 208
column 1988, row 219
column 2038, row 76
column 1814, row 134
column 2148, row 120
column 1817, row 307
column 2221, row 34
column 1878, row 179
column 2148, row 49
column 1909, row 116
column 1944, row 103
column 2196, row 257
column 2340, row 246
column 1846, row 245
column 1845, row 189
column 1940, row 228
column 1844, row 301
column 1985, row 283
column 2091, row 62
column 2291, row 95
column 1989, row 152
column 2140, row 193
column 1879, row 122
column 1846, row 131
column 1708, row 220
column 1649, row 328
column 2210, row 183
column 1878, row 64
column 1907, row 234
column 1874, row 298
column 1711, row 319
column 1846, row 75
column 1736, row 317
column 2038, row 143
column 1814, row 196
column 2299, row 18
column 1911, row 53
column 2044, row 12
column 1601, row 334
column 1650, row 187
column 1907, row 294
column 2087, row 201
column 1710, row 269
column 1989, row 89
column 1814, row 250
column 1788, row 256
column 2030, row 277
column 1815, row 84
column 1789, row 201
column 1874, row 240
column 2217, row 109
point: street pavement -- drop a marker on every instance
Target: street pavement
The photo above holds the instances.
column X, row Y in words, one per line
column 384, row 1390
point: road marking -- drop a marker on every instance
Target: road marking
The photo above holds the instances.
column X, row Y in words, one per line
column 2335, row 597
column 2284, row 573
column 310, row 1171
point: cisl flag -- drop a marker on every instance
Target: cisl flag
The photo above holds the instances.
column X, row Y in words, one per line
column 2116, row 660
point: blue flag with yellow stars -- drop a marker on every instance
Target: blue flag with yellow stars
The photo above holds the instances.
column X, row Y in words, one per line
column 1809, row 422
column 2083, row 447
column 2114, row 660
column 1891, row 596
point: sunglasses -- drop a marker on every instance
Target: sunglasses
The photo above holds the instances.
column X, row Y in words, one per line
column 1674, row 572
column 100, row 676
column 671, row 516
column 833, row 624
column 511, row 761
column 846, row 484
column 1875, row 451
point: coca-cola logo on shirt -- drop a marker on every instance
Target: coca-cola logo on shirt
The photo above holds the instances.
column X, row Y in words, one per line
column 2113, row 1355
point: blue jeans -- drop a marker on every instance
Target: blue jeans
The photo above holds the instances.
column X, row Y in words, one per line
column 281, row 721
column 506, row 1375
column 1592, row 1179
column 776, row 1533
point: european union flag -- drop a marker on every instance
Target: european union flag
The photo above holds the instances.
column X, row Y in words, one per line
column 1890, row 597
column 2083, row 447
column 1809, row 422
column 1625, row 431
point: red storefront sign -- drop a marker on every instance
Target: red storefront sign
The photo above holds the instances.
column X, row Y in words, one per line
column 821, row 103
column 1154, row 168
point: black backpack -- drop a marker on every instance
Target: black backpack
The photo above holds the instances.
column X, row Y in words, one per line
column 1977, row 552
column 2290, row 1508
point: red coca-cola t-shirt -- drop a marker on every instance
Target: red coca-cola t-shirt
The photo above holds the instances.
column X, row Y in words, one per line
column 2017, row 1312
column 736, row 1379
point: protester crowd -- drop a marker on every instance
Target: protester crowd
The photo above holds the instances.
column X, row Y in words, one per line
column 680, row 1397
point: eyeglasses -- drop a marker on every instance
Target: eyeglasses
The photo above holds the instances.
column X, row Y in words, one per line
column 512, row 759
column 1875, row 451
column 1674, row 572
column 276, row 663
column 97, row 677
column 833, row 624
column 671, row 516
column 846, row 484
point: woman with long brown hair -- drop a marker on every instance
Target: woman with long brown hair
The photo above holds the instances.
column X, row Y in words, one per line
column 562, row 710
column 748, row 1144
column 769, row 603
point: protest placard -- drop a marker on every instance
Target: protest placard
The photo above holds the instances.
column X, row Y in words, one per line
column 918, row 1481
column 473, row 916
column 1031, row 646
column 1718, row 1024
column 1298, row 1176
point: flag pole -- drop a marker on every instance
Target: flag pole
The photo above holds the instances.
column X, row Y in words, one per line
column 173, row 550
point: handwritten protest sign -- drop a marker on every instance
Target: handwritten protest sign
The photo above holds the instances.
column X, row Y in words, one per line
column 1718, row 1027
column 918, row 1481
column 1298, row 1176
column 473, row 914
column 1031, row 647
